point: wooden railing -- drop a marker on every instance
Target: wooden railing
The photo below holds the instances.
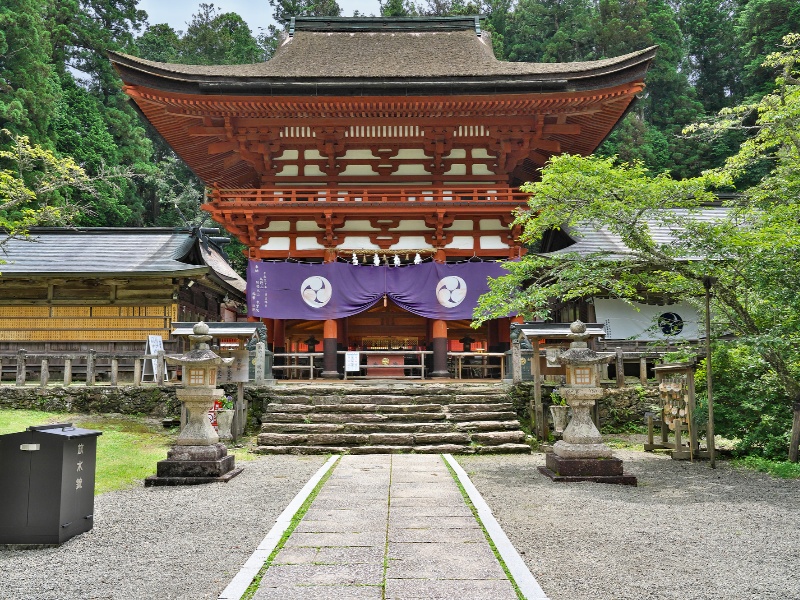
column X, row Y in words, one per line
column 294, row 363
column 483, row 366
column 91, row 364
column 495, row 194
column 419, row 365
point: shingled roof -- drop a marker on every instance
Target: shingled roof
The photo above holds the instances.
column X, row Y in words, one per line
column 323, row 54
column 114, row 252
column 585, row 239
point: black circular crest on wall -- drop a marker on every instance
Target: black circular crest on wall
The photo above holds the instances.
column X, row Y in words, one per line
column 670, row 323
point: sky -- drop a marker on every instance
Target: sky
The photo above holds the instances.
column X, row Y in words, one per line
column 177, row 13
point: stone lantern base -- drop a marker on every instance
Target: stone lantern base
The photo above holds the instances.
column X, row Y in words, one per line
column 598, row 470
column 192, row 465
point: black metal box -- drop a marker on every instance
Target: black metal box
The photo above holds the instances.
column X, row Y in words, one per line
column 47, row 478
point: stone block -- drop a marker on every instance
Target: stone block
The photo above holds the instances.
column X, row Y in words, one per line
column 444, row 449
column 194, row 468
column 494, row 438
column 391, row 439
column 483, row 416
column 339, row 439
column 380, row 449
column 505, row 449
column 441, row 438
column 583, row 466
column 281, row 439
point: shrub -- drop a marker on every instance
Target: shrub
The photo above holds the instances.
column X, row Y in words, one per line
column 749, row 407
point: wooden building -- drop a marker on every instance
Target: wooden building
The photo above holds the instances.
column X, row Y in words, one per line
column 379, row 140
column 107, row 289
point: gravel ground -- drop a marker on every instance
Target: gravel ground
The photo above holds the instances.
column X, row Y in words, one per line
column 162, row 543
column 687, row 532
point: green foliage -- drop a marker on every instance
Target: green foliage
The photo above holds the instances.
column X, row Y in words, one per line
column 761, row 26
column 750, row 406
column 27, row 87
column 283, row 10
column 82, row 33
column 550, row 31
column 751, row 250
column 708, row 29
column 160, row 43
column 778, row 468
column 37, row 187
column 218, row 38
column 398, row 8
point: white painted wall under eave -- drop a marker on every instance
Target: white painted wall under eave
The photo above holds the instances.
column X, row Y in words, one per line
column 623, row 321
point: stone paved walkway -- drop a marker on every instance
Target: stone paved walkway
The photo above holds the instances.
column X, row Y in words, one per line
column 391, row 527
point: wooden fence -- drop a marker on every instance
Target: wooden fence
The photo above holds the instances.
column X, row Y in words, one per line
column 92, row 365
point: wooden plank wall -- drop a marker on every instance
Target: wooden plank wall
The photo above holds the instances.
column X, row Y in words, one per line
column 85, row 323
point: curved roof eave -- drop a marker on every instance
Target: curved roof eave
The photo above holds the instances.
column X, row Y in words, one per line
column 246, row 79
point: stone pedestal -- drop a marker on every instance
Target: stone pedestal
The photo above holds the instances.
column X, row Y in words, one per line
column 191, row 465
column 598, row 470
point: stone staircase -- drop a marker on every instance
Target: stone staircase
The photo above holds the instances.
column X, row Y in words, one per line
column 391, row 416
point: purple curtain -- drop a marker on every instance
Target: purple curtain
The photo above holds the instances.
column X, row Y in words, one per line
column 336, row 290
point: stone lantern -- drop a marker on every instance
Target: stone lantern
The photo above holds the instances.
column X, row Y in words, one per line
column 581, row 454
column 197, row 456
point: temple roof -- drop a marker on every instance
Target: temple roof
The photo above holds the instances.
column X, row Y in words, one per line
column 372, row 84
column 357, row 51
column 115, row 252
column 585, row 239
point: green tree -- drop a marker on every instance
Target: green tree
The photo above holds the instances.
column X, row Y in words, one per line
column 160, row 43
column 551, row 31
column 760, row 27
column 37, row 187
column 84, row 30
column 218, row 38
column 708, row 27
column 283, row 10
column 398, row 8
column 751, row 249
column 28, row 89
column 669, row 102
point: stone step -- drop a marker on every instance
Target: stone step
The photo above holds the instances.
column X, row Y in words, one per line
column 384, row 400
column 480, row 398
column 387, row 388
column 496, row 438
column 389, row 439
column 434, row 449
column 487, row 425
column 355, row 417
column 470, row 408
column 351, row 408
column 268, row 427
column 482, row 416
column 504, row 449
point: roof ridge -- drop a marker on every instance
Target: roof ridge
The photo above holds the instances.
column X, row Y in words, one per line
column 373, row 24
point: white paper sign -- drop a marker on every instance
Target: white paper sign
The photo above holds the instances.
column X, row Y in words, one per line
column 352, row 361
column 153, row 346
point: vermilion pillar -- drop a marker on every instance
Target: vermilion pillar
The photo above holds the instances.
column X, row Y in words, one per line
column 440, row 349
column 278, row 336
column 329, row 338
